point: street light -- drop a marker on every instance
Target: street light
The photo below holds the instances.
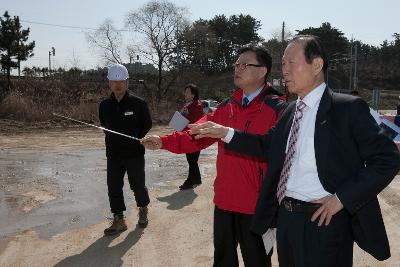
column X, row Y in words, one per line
column 51, row 52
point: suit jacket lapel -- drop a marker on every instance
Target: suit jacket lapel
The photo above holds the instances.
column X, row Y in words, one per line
column 288, row 122
column 322, row 134
column 282, row 133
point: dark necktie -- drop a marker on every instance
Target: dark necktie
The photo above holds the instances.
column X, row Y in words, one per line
column 245, row 102
column 298, row 115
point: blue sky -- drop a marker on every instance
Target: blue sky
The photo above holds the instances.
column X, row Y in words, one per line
column 369, row 21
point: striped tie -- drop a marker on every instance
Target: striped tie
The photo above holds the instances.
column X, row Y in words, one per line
column 298, row 115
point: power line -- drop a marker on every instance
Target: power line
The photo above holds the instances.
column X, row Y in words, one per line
column 64, row 26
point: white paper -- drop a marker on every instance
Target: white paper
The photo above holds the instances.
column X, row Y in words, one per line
column 391, row 129
column 178, row 122
column 376, row 115
column 269, row 239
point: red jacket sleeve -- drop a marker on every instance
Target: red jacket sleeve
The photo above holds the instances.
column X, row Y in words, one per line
column 183, row 142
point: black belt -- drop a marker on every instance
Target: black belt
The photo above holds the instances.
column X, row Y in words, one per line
column 295, row 205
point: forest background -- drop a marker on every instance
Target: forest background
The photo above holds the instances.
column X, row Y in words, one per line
column 172, row 52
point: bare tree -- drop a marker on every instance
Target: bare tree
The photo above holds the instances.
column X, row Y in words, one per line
column 159, row 22
column 107, row 40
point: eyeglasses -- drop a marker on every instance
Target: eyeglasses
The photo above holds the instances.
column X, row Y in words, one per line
column 243, row 66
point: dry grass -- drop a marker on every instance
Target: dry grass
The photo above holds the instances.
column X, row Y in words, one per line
column 22, row 108
column 34, row 100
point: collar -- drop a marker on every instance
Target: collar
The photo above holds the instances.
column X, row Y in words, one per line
column 314, row 97
column 253, row 95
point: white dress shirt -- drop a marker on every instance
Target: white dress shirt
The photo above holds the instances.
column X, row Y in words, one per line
column 303, row 182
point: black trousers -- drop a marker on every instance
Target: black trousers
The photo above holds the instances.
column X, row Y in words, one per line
column 231, row 228
column 194, row 172
column 302, row 243
column 116, row 169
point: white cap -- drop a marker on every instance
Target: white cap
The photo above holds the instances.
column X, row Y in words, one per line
column 117, row 72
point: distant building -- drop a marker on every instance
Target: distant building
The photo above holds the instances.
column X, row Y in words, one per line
column 139, row 68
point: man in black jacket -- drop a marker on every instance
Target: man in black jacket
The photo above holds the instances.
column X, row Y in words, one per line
column 328, row 160
column 127, row 114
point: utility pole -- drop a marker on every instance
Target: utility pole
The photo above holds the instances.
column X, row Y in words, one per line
column 283, row 39
column 351, row 63
column 51, row 52
column 137, row 61
column 355, row 68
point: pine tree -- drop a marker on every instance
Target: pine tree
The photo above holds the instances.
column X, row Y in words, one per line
column 13, row 45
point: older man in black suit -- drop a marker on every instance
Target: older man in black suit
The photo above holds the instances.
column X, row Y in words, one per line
column 328, row 160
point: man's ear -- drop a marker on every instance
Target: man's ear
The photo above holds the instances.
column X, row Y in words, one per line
column 265, row 71
column 318, row 65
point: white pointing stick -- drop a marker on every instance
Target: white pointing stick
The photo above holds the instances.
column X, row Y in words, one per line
column 92, row 125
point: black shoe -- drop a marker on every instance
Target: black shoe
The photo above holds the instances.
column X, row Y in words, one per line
column 189, row 184
column 185, row 186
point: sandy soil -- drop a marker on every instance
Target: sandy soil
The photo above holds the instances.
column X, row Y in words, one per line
column 54, row 207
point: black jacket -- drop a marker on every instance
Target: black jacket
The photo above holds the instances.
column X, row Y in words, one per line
column 130, row 116
column 354, row 159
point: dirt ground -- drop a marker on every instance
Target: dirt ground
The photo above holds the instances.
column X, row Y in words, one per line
column 54, row 206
